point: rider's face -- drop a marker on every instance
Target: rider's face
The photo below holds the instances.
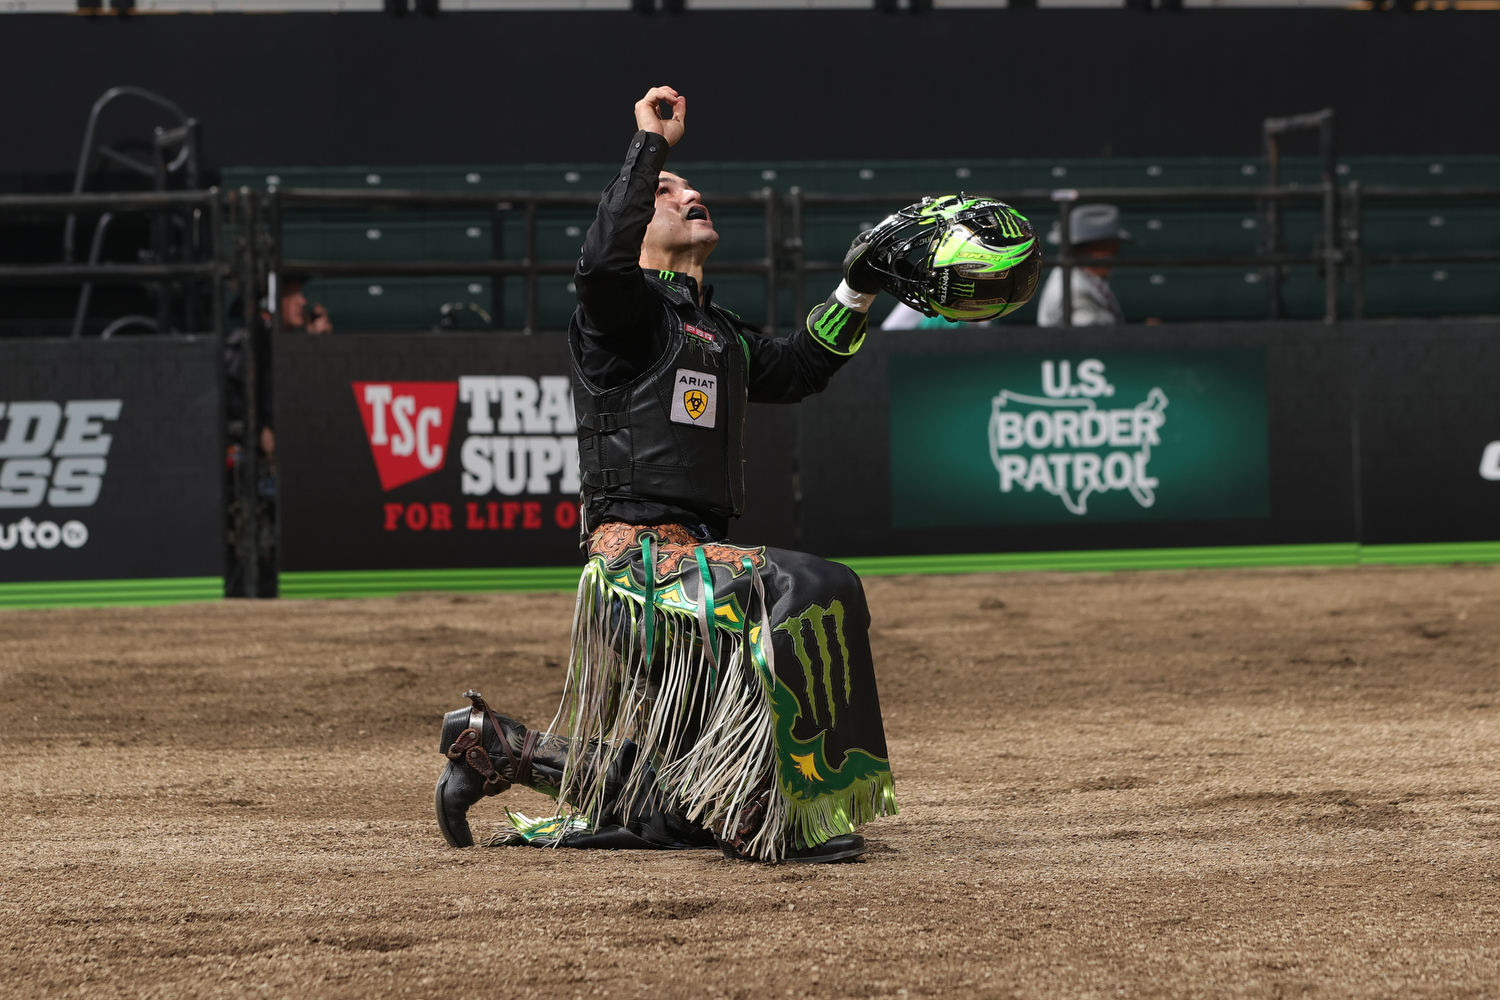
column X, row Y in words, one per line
column 681, row 222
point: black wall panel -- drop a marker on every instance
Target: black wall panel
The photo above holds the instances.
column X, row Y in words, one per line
column 1404, row 410
column 1429, row 404
column 488, row 87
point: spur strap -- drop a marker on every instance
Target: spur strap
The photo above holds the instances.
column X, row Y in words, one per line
column 469, row 746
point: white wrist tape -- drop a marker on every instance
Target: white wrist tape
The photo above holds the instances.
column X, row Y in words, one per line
column 858, row 301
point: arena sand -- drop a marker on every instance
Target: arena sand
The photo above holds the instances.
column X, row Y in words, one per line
column 1218, row 784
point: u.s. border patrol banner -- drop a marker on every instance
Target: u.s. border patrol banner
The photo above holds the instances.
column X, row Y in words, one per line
column 1108, row 436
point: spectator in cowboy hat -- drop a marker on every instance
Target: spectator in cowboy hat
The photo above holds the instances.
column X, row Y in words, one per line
column 1094, row 231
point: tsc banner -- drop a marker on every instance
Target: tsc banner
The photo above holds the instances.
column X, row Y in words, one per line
column 1108, row 436
column 109, row 460
column 418, row 451
column 456, row 451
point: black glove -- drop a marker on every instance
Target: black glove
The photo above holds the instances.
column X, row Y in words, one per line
column 858, row 274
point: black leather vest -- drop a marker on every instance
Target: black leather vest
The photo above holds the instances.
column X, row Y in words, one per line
column 676, row 434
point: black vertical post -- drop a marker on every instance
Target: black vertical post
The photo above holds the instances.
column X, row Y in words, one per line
column 216, row 254
column 773, row 291
column 188, row 133
column 1065, row 255
column 1330, row 252
column 249, row 527
column 160, row 224
column 193, row 251
column 497, row 251
column 1332, row 256
column 531, row 271
column 798, row 259
column 273, row 254
column 1356, row 472
column 1272, row 240
column 1355, row 237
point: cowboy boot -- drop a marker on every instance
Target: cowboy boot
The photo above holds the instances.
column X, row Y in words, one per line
column 487, row 753
column 482, row 763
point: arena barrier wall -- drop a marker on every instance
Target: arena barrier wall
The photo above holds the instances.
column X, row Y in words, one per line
column 933, row 451
column 449, row 461
column 111, row 464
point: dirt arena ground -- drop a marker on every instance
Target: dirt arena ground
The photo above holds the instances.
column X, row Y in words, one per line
column 1217, row 784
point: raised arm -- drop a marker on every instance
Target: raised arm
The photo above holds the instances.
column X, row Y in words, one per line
column 611, row 286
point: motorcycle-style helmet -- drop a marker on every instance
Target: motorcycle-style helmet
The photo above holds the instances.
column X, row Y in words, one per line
column 965, row 259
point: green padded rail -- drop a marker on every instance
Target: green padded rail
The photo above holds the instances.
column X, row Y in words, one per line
column 98, row 593
column 383, row 583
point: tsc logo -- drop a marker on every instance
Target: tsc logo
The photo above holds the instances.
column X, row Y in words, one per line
column 408, row 425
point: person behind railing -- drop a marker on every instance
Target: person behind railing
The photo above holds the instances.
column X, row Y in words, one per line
column 296, row 317
column 1094, row 231
column 295, row 313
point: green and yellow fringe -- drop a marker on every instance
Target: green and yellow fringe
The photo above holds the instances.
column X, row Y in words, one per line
column 716, row 670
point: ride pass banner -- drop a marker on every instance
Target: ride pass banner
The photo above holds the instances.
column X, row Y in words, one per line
column 111, row 464
column 1099, row 436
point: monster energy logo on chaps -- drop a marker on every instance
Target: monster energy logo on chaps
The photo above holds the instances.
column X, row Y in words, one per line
column 813, row 620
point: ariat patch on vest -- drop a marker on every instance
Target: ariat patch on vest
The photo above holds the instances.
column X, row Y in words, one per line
column 695, row 398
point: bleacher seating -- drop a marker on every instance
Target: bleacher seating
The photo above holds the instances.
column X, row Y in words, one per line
column 1173, row 294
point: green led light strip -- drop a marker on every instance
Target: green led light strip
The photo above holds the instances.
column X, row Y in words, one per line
column 65, row 593
column 1106, row 560
column 384, row 583
column 374, row 583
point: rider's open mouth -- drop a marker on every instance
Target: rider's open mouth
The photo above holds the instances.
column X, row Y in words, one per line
column 697, row 212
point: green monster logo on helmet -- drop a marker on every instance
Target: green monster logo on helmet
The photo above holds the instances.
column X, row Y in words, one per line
column 965, row 259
